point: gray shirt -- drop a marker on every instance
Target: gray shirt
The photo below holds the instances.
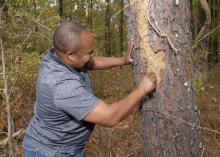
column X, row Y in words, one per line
column 63, row 98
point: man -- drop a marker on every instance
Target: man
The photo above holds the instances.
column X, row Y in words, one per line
column 66, row 109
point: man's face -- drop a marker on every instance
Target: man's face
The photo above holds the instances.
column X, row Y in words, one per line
column 84, row 55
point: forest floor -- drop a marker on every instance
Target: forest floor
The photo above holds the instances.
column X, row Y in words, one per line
column 208, row 101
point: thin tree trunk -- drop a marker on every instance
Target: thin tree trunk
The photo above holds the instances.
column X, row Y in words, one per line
column 107, row 29
column 61, row 14
column 35, row 12
column 218, row 32
column 90, row 14
column 162, row 43
column 4, row 7
column 215, row 38
column 121, row 30
column 194, row 8
column 4, row 10
column 210, row 55
column 207, row 21
column 8, row 104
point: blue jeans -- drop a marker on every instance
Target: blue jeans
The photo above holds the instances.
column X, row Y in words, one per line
column 32, row 150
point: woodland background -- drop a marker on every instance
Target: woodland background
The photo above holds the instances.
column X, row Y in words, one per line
column 26, row 30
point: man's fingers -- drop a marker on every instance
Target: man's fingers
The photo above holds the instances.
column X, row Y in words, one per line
column 150, row 74
column 130, row 46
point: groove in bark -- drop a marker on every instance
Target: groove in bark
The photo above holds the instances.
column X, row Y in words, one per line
column 155, row 46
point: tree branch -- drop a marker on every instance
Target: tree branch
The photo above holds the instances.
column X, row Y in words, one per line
column 37, row 20
column 207, row 11
column 19, row 133
column 212, row 31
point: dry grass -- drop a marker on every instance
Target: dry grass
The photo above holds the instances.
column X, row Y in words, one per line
column 209, row 106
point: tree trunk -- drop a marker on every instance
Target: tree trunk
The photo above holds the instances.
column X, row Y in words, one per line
column 107, row 29
column 61, row 14
column 121, row 30
column 218, row 32
column 4, row 8
column 213, row 56
column 162, row 43
column 216, row 36
column 35, row 12
column 90, row 14
column 7, row 99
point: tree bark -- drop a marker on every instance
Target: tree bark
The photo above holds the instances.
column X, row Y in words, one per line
column 162, row 44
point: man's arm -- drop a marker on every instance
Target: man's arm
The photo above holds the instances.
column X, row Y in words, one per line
column 109, row 115
column 101, row 63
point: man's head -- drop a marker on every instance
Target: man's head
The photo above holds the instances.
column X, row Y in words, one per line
column 73, row 44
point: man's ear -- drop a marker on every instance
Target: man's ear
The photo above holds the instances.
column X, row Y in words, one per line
column 71, row 56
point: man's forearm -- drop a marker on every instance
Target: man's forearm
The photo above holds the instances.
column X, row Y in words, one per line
column 110, row 115
column 101, row 63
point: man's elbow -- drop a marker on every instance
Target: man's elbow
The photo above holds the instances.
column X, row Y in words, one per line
column 105, row 115
column 112, row 120
column 110, row 124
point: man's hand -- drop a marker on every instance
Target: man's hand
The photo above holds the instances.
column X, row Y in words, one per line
column 127, row 57
column 110, row 114
column 147, row 83
column 101, row 63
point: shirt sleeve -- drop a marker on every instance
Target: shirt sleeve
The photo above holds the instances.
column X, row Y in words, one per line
column 75, row 99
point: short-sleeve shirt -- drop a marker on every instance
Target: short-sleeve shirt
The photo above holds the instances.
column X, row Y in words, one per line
column 63, row 98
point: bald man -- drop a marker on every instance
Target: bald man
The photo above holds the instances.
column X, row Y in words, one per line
column 65, row 109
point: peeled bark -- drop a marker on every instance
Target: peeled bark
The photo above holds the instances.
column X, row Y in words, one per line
column 162, row 44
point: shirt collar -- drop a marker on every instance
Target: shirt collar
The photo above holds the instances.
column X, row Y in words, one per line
column 55, row 58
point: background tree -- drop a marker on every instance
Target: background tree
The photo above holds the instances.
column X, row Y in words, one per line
column 121, row 26
column 107, row 28
column 61, row 10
